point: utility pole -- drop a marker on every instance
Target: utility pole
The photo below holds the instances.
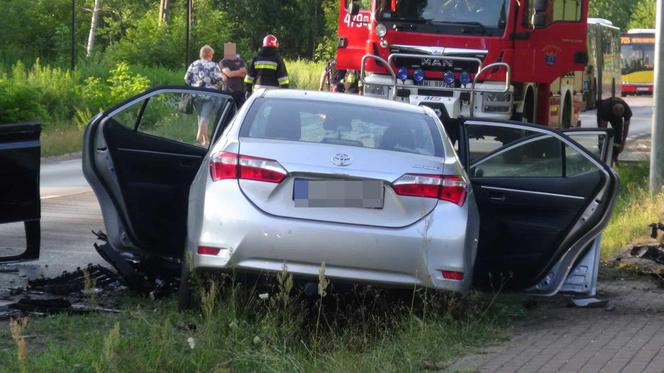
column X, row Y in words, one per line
column 657, row 139
column 188, row 35
column 73, row 35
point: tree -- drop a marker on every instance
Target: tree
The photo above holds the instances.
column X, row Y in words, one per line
column 617, row 12
column 643, row 15
column 93, row 27
column 164, row 7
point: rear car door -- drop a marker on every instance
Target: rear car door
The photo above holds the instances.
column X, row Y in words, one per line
column 19, row 190
column 141, row 157
column 583, row 276
column 543, row 200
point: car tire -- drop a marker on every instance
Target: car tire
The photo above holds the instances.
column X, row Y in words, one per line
column 186, row 299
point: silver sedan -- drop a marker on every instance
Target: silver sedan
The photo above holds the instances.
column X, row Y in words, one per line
column 374, row 189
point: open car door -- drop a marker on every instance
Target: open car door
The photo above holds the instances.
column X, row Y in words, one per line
column 140, row 158
column 19, row 189
column 544, row 200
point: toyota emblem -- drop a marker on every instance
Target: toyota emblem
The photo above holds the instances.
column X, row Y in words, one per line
column 341, row 159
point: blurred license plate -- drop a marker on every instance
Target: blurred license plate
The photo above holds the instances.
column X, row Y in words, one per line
column 434, row 83
column 642, row 89
column 338, row 193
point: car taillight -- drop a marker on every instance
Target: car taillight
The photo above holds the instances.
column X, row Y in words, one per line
column 204, row 250
column 226, row 165
column 446, row 188
column 451, row 275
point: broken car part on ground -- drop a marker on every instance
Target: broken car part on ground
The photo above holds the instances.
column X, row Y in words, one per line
column 93, row 288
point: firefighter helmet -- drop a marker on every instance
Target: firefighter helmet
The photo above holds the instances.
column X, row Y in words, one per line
column 270, row 41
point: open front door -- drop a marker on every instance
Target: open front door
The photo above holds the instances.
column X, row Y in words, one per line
column 19, row 188
column 140, row 159
column 543, row 200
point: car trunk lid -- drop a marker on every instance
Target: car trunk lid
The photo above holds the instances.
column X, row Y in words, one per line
column 336, row 164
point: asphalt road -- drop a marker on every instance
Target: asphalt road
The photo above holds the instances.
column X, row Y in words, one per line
column 69, row 213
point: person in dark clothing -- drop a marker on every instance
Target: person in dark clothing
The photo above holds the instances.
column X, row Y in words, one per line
column 340, row 81
column 332, row 79
column 615, row 111
column 267, row 69
column 233, row 72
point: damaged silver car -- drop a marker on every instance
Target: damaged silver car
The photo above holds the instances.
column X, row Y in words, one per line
column 374, row 189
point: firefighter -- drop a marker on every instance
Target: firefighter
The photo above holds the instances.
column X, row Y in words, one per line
column 267, row 69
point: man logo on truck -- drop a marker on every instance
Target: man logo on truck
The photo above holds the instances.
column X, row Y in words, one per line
column 436, row 63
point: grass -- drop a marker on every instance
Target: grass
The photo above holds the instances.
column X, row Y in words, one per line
column 304, row 74
column 236, row 330
column 635, row 209
column 59, row 140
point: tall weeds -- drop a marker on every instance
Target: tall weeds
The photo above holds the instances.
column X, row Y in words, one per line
column 635, row 209
column 16, row 327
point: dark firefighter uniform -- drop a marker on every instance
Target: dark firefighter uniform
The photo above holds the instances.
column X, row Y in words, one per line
column 267, row 69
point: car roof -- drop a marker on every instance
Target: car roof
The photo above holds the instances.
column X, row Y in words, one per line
column 350, row 99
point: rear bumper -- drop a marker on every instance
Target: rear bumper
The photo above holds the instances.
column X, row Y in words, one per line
column 635, row 88
column 251, row 240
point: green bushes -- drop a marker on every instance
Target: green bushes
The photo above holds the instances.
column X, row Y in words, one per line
column 64, row 101
column 57, row 96
column 19, row 103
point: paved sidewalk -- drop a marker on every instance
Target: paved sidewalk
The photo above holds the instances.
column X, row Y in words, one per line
column 627, row 336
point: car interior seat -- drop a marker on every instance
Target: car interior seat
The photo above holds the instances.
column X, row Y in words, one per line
column 284, row 124
column 398, row 137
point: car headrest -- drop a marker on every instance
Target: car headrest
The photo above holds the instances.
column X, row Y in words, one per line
column 336, row 123
column 398, row 137
column 284, row 124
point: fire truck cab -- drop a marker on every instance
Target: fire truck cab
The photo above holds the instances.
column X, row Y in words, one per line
column 500, row 59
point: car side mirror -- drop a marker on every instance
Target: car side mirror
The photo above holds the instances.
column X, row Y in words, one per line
column 353, row 7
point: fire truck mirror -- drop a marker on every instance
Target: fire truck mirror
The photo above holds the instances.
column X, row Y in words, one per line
column 539, row 19
column 541, row 6
column 353, row 7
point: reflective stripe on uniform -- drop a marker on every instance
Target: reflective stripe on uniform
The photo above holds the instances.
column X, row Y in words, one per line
column 267, row 65
column 283, row 80
column 248, row 79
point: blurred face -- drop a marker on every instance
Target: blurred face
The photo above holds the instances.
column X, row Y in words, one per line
column 230, row 50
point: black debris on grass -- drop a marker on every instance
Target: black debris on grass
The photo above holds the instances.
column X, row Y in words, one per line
column 649, row 252
column 71, row 282
column 69, row 292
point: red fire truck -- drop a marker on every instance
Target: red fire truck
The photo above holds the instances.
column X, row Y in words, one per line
column 509, row 59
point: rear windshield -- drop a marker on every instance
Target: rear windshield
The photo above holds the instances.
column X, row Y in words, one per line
column 342, row 124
